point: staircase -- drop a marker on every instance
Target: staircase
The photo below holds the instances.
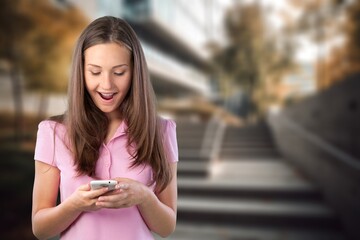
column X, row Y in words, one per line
column 250, row 192
column 190, row 137
column 197, row 142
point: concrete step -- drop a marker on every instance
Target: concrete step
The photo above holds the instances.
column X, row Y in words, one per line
column 264, row 170
column 190, row 135
column 257, row 193
column 193, row 155
column 190, row 131
column 247, row 134
column 255, row 168
column 246, row 131
column 248, row 152
column 237, row 138
column 247, row 144
column 249, row 149
column 189, row 138
column 256, row 213
column 190, row 169
column 186, row 126
column 294, row 191
column 262, row 178
column 190, row 145
column 188, row 231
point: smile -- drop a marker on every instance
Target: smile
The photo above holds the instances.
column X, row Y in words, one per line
column 106, row 96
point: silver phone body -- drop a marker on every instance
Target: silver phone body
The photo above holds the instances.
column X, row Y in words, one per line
column 96, row 184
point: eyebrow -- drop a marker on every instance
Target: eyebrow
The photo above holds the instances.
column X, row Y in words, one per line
column 120, row 65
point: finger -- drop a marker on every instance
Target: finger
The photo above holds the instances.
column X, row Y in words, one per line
column 98, row 192
column 123, row 186
column 123, row 180
column 112, row 192
column 85, row 187
column 107, row 205
column 113, row 198
column 119, row 203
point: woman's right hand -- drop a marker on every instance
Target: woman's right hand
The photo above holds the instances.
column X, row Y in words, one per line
column 84, row 199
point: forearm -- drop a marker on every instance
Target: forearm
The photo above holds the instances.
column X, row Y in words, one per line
column 159, row 217
column 49, row 222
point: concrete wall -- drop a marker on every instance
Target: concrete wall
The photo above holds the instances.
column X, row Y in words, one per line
column 334, row 115
column 321, row 137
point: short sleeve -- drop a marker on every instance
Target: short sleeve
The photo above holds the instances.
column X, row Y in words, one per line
column 44, row 148
column 170, row 141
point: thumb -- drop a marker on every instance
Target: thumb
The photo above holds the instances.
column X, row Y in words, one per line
column 85, row 187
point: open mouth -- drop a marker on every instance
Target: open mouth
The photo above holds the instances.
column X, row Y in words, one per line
column 107, row 96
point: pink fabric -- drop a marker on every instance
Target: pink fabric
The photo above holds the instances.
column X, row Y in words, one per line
column 114, row 161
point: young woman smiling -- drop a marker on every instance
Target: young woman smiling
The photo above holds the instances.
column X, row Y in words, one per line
column 110, row 131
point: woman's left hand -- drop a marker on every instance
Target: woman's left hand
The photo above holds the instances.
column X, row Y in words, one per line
column 127, row 193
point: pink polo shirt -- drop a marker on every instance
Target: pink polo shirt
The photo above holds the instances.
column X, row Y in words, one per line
column 114, row 161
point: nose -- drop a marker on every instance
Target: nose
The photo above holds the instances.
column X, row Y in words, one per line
column 106, row 82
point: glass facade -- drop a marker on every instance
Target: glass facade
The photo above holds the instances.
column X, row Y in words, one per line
column 187, row 73
column 176, row 33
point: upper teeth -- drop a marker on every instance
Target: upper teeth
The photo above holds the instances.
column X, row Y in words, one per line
column 107, row 94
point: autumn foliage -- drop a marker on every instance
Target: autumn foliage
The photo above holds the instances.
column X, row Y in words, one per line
column 37, row 38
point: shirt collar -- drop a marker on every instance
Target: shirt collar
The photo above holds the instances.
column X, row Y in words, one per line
column 122, row 130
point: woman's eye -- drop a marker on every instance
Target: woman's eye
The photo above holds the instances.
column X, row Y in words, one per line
column 119, row 73
column 95, row 73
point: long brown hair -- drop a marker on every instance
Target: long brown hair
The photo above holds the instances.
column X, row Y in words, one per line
column 87, row 125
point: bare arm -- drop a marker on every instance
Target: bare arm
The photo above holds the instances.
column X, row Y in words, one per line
column 49, row 219
column 159, row 212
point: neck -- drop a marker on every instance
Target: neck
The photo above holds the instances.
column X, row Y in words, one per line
column 114, row 117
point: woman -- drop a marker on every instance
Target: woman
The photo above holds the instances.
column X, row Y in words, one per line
column 109, row 131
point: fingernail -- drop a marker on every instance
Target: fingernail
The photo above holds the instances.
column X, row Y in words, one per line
column 124, row 186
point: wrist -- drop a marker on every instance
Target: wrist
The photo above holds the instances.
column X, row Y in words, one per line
column 71, row 207
column 149, row 198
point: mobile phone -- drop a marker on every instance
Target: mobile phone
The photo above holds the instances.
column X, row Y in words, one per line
column 96, row 184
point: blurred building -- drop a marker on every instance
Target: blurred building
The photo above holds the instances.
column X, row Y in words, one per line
column 174, row 36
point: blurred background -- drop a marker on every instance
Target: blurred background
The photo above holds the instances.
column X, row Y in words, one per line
column 265, row 95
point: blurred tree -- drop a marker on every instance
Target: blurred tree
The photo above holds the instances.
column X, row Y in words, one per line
column 37, row 38
column 352, row 32
column 325, row 20
column 49, row 44
column 321, row 20
column 253, row 55
column 344, row 60
column 13, row 24
column 48, row 47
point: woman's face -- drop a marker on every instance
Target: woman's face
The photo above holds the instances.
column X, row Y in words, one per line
column 108, row 74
